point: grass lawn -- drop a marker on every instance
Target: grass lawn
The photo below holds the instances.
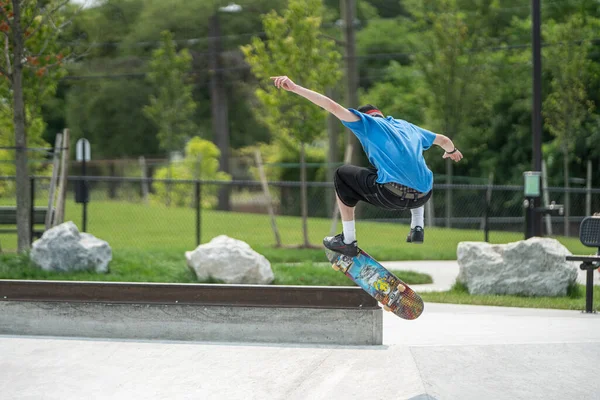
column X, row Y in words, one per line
column 459, row 295
column 132, row 266
column 164, row 232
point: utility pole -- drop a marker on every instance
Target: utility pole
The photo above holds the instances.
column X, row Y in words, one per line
column 536, row 117
column 348, row 11
column 219, row 106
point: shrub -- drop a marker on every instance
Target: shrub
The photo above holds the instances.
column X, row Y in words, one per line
column 201, row 161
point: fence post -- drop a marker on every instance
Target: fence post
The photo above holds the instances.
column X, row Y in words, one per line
column 488, row 201
column 448, row 193
column 198, row 210
column 31, row 210
column 142, row 162
column 548, row 218
column 588, row 194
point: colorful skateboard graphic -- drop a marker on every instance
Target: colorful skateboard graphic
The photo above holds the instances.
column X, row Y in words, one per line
column 395, row 295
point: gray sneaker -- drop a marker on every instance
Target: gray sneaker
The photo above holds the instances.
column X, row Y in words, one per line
column 416, row 235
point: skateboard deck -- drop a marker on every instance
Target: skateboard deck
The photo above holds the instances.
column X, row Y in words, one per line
column 395, row 295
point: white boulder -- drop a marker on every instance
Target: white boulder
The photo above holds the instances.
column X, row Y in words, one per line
column 229, row 260
column 533, row 267
column 63, row 248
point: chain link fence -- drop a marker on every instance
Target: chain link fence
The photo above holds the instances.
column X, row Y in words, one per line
column 178, row 214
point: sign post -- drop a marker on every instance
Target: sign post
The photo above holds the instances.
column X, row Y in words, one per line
column 83, row 153
column 533, row 212
column 532, row 195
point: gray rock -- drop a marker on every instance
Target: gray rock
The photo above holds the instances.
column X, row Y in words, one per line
column 533, row 267
column 63, row 248
column 229, row 260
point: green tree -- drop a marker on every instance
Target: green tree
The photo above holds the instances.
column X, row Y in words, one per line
column 172, row 107
column 408, row 102
column 28, row 67
column 294, row 46
column 109, row 113
column 567, row 107
column 445, row 55
column 110, row 80
column 107, row 90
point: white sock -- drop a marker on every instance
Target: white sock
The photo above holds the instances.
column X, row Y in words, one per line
column 349, row 231
column 418, row 217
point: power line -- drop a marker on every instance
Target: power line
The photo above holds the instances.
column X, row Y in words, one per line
column 366, row 57
column 546, row 4
column 189, row 41
column 203, row 39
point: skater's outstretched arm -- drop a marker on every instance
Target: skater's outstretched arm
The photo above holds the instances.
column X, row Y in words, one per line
column 283, row 82
column 450, row 151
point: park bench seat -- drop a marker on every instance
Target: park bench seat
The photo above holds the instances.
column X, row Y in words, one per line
column 8, row 216
column 589, row 235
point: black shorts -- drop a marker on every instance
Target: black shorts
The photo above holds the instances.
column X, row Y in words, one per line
column 353, row 184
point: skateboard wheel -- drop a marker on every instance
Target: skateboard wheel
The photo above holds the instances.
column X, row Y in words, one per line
column 386, row 308
column 335, row 267
column 401, row 287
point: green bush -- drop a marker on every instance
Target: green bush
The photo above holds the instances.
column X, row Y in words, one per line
column 201, row 162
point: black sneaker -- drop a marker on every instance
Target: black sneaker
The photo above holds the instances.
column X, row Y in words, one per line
column 416, row 235
column 336, row 243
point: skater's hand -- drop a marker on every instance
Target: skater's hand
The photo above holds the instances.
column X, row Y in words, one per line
column 455, row 156
column 283, row 82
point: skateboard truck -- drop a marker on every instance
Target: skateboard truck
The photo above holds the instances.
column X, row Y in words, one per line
column 342, row 263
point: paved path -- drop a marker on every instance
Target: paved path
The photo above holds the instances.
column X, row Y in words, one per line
column 451, row 352
column 444, row 273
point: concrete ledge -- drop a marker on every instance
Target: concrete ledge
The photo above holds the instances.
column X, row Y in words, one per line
column 190, row 322
column 196, row 312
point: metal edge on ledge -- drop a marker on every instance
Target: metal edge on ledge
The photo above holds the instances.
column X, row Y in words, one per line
column 174, row 293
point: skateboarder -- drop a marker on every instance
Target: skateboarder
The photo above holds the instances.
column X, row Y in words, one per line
column 400, row 180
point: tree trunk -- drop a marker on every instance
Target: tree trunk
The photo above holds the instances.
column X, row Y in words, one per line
column 304, row 195
column 265, row 186
column 22, row 168
column 219, row 108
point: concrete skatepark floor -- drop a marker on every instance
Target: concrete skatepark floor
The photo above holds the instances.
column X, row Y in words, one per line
column 450, row 352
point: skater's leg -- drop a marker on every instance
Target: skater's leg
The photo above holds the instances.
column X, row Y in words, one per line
column 351, row 186
column 345, row 242
column 417, row 217
column 348, row 225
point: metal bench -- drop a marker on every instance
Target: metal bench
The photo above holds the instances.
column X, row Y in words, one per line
column 589, row 234
column 8, row 216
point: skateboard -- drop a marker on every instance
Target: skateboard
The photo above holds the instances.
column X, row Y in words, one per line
column 395, row 295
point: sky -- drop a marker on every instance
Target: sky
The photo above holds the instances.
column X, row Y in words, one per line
column 85, row 3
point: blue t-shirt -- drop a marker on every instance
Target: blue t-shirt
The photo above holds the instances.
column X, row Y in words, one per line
column 395, row 147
